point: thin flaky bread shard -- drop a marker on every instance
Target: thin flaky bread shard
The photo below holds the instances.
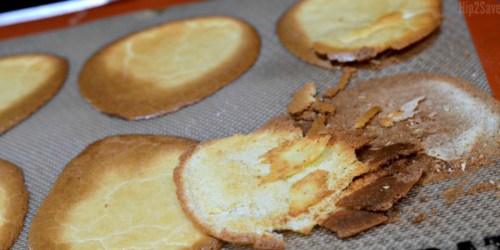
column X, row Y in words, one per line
column 118, row 194
column 164, row 68
column 243, row 188
column 320, row 31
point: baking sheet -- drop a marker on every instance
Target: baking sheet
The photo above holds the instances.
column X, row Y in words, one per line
column 44, row 143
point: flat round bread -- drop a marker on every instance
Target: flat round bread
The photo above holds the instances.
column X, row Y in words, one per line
column 13, row 203
column 243, row 188
column 118, row 194
column 27, row 82
column 320, row 31
column 163, row 68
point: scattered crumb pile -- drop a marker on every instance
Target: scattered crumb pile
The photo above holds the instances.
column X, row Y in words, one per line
column 396, row 145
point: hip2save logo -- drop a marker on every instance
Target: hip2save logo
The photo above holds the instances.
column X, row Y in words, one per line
column 492, row 242
column 482, row 7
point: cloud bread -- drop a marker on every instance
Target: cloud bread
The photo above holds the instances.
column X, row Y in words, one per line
column 319, row 31
column 13, row 203
column 27, row 81
column 161, row 69
column 243, row 188
column 118, row 194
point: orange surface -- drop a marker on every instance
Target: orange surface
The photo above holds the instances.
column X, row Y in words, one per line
column 482, row 16
column 72, row 19
column 483, row 19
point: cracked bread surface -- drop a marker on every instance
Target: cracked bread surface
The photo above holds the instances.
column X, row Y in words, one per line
column 243, row 188
column 118, row 193
column 166, row 67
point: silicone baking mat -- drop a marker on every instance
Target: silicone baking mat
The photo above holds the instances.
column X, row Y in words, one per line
column 44, row 143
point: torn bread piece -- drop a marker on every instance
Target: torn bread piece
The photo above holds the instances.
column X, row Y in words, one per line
column 13, row 203
column 366, row 117
column 455, row 122
column 302, row 99
column 395, row 170
column 119, row 194
column 406, row 111
column 243, row 188
column 348, row 223
column 320, row 31
column 27, row 82
column 164, row 68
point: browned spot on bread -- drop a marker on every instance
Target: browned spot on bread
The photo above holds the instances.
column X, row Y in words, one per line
column 308, row 191
column 292, row 156
column 347, row 223
column 302, row 99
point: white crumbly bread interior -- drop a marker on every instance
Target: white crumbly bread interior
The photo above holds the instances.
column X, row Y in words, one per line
column 354, row 24
column 22, row 75
column 476, row 121
column 176, row 53
column 252, row 185
column 137, row 211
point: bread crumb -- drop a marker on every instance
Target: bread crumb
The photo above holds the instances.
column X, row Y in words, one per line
column 323, row 107
column 463, row 165
column 421, row 217
column 480, row 188
column 366, row 117
column 386, row 122
column 307, row 116
column 344, row 79
column 452, row 194
column 407, row 110
column 331, row 92
column 302, row 99
column 433, row 211
column 386, row 187
column 393, row 219
column 423, row 199
column 318, row 125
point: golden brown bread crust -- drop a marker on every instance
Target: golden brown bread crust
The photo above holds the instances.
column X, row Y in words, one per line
column 296, row 41
column 80, row 178
column 279, row 123
column 139, row 99
column 12, row 182
column 21, row 110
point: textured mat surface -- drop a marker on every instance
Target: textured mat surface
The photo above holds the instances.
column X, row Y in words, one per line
column 44, row 143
